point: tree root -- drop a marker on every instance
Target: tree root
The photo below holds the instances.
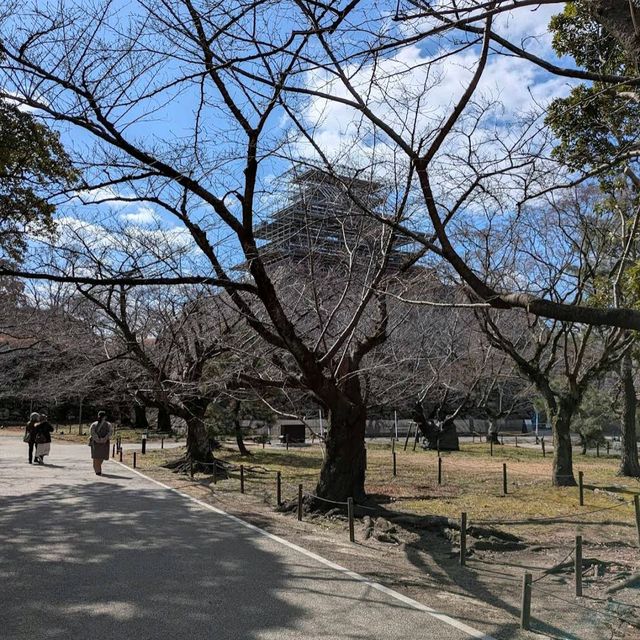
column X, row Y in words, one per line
column 185, row 465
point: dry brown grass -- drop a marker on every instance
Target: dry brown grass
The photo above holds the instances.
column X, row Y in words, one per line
column 472, row 482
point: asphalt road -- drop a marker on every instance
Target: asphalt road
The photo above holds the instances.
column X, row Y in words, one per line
column 120, row 557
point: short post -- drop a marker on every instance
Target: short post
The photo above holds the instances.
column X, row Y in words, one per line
column 491, row 446
column 120, row 455
column 438, row 446
column 286, row 440
column 597, row 449
column 608, row 447
column 395, row 470
column 144, row 443
column 463, row 537
column 502, row 440
column 544, row 453
column 581, row 487
column 525, row 607
column 113, row 450
column 504, row 478
column 352, row 537
column 578, row 565
column 278, row 488
column 162, row 442
column 636, row 504
column 191, row 468
column 439, row 470
column 241, row 478
column 300, row 502
column 473, row 438
column 134, row 459
column 516, row 442
column 263, row 442
column 393, row 445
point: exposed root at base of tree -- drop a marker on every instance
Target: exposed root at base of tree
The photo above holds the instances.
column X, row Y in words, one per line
column 185, row 465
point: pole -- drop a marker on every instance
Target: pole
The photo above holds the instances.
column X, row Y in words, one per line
column 286, row 439
column 406, row 440
column 636, row 504
column 241, row 478
column 439, row 470
column 162, row 443
column 504, row 478
column 300, row 502
column 516, row 442
column 352, row 537
column 544, row 453
column 463, row 537
column 597, row 449
column 525, row 607
column 144, row 443
column 134, row 459
column 80, row 418
column 321, row 423
column 395, row 471
column 581, row 487
column 395, row 420
column 278, row 488
column 578, row 565
column 120, row 455
column 491, row 446
column 113, row 450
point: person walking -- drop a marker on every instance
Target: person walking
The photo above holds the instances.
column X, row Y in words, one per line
column 101, row 431
column 30, row 433
column 42, row 438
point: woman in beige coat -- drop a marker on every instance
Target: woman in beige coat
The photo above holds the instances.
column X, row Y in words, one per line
column 101, row 431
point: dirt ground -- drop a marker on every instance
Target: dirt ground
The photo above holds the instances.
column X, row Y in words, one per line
column 405, row 545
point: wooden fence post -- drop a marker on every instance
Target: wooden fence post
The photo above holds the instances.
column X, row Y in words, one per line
column 463, row 537
column 504, row 478
column 581, row 487
column 636, row 504
column 597, row 449
column 241, row 478
column 544, row 453
column 278, row 488
column 113, row 451
column 439, row 470
column 134, row 460
column 608, row 447
column 162, row 443
column 525, row 607
column 395, row 470
column 352, row 537
column 516, row 442
column 578, row 565
column 491, row 446
column 300, row 502
column 120, row 455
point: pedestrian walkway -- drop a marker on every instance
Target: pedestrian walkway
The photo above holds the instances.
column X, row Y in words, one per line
column 119, row 557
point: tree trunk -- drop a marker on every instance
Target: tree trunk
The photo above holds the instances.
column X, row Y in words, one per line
column 238, row 430
column 629, row 465
column 492, row 433
column 164, row 419
column 140, row 420
column 198, row 444
column 343, row 470
column 562, row 451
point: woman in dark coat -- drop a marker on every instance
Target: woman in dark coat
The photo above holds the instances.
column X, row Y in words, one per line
column 30, row 433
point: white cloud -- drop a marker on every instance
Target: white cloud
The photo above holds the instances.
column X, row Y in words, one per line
column 142, row 216
column 103, row 195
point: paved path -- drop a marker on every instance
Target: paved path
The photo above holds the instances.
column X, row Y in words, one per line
column 120, row 557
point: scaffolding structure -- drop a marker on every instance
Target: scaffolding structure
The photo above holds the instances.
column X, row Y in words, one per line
column 328, row 218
